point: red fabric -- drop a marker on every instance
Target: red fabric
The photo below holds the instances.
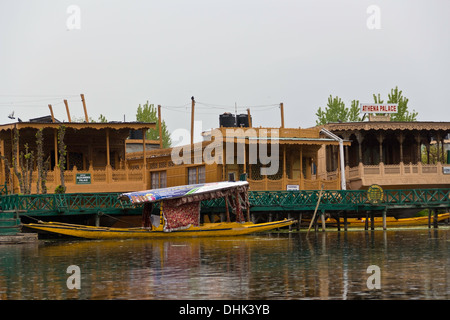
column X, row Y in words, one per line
column 180, row 217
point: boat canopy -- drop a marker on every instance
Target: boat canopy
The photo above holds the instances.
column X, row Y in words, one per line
column 187, row 193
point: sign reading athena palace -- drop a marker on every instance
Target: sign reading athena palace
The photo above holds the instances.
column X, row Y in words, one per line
column 379, row 107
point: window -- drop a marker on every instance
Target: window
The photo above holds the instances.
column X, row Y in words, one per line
column 158, row 179
column 196, row 175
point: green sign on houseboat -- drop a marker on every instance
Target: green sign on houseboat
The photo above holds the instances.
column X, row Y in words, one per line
column 83, row 178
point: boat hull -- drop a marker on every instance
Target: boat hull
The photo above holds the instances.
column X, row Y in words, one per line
column 390, row 221
column 207, row 230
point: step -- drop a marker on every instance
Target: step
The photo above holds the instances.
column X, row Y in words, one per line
column 9, row 230
column 7, row 215
column 9, row 222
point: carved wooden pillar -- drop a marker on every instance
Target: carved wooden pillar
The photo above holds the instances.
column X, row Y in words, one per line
column 380, row 139
column 401, row 138
column 438, row 156
column 359, row 138
column 419, row 149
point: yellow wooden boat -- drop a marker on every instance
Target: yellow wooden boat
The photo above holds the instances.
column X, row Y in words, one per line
column 390, row 221
column 179, row 215
column 222, row 229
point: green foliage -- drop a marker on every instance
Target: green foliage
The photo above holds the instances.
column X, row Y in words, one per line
column 148, row 113
column 60, row 189
column 62, row 153
column 396, row 96
column 102, row 119
column 337, row 112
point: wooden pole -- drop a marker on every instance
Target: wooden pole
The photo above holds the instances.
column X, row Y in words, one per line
column 67, row 110
column 315, row 211
column 372, row 220
column 227, row 209
column 108, row 160
column 429, row 218
column 144, row 157
column 282, row 114
column 435, row 218
column 249, row 117
column 322, row 217
column 84, row 107
column 345, row 221
column 160, row 128
column 51, row 112
column 192, row 120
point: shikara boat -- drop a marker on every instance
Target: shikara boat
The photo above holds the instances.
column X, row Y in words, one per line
column 179, row 214
column 390, row 221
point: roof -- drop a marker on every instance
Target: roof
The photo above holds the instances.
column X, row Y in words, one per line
column 388, row 125
column 189, row 193
column 80, row 125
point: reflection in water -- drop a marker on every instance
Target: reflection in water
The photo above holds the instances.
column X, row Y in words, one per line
column 330, row 265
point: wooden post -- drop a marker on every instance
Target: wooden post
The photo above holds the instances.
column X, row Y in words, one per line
column 51, row 112
column 301, row 168
column 192, row 120
column 429, row 218
column 366, row 221
column 284, row 168
column 108, row 160
column 322, row 217
column 345, row 221
column 435, row 218
column 144, row 157
column 372, row 220
column 84, row 108
column 160, row 128
column 315, row 211
column 67, row 110
column 2, row 154
column 55, row 140
column 282, row 114
column 249, row 117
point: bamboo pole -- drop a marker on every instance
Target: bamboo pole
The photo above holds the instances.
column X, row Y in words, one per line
column 315, row 211
column 67, row 110
column 282, row 114
column 84, row 108
column 51, row 112
column 192, row 120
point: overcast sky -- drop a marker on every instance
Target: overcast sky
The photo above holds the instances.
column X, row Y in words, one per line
column 230, row 53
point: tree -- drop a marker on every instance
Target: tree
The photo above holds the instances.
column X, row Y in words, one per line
column 148, row 113
column 396, row 96
column 337, row 112
column 24, row 162
column 62, row 158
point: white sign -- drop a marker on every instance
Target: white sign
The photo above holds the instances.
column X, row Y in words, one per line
column 292, row 187
column 446, row 170
column 379, row 107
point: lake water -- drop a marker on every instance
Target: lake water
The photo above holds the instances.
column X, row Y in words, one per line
column 413, row 264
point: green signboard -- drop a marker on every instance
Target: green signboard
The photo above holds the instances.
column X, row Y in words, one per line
column 83, row 178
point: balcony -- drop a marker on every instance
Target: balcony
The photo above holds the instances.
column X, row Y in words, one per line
column 396, row 175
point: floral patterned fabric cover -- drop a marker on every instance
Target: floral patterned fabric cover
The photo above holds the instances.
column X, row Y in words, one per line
column 180, row 217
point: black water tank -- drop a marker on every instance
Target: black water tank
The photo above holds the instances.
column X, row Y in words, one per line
column 227, row 120
column 242, row 120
